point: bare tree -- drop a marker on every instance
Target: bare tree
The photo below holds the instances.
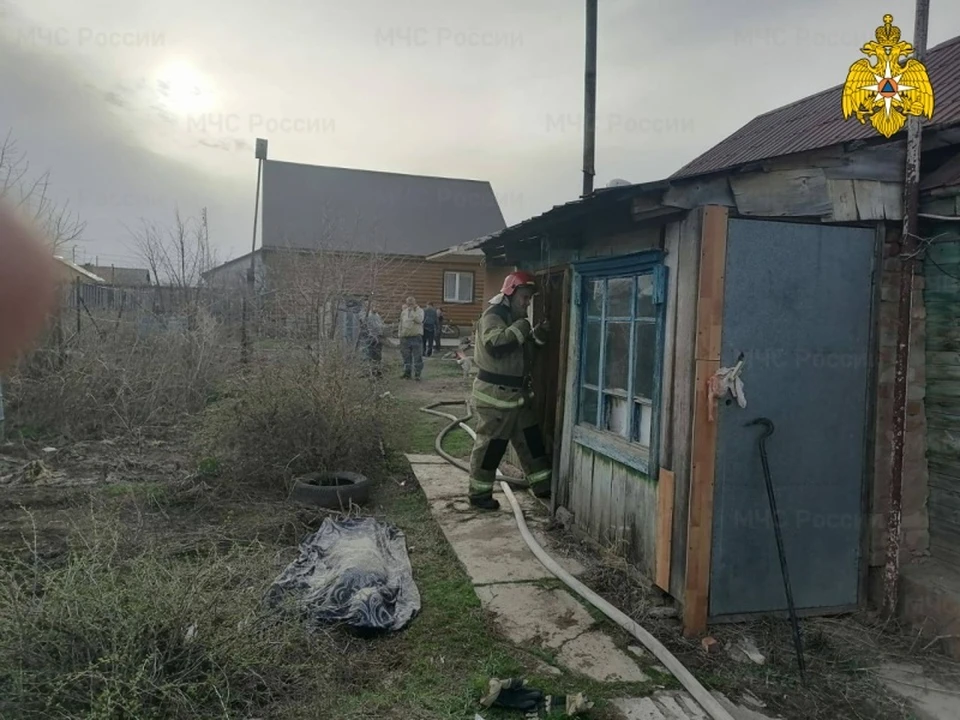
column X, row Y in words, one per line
column 30, row 194
column 179, row 255
column 315, row 287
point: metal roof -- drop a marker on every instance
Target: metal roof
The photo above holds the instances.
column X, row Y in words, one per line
column 315, row 207
column 121, row 276
column 564, row 214
column 82, row 270
column 817, row 121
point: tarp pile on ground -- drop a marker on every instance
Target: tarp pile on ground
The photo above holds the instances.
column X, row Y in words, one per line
column 355, row 572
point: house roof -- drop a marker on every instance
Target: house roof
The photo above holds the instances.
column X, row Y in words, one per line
column 81, row 270
column 127, row 277
column 817, row 121
column 319, row 207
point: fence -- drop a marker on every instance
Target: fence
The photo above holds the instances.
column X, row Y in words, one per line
column 150, row 308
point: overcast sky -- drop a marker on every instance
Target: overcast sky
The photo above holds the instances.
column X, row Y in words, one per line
column 138, row 107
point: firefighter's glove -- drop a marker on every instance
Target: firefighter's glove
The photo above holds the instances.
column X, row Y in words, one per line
column 513, row 694
column 540, row 332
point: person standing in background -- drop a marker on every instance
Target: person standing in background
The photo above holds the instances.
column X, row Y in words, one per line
column 410, row 333
column 430, row 329
column 371, row 335
column 439, row 326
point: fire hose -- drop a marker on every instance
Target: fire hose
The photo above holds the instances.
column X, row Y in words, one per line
column 707, row 701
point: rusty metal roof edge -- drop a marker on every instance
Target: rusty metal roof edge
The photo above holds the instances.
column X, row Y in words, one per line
column 696, row 166
column 579, row 206
column 677, row 178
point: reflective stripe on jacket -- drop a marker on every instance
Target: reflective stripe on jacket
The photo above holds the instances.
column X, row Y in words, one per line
column 502, row 346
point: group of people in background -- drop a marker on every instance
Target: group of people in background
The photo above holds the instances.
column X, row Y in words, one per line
column 419, row 332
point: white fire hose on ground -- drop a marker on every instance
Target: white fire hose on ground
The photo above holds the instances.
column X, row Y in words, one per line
column 707, row 701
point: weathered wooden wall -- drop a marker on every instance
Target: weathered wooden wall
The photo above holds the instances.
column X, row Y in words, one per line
column 832, row 185
column 615, row 506
column 592, row 483
column 941, row 297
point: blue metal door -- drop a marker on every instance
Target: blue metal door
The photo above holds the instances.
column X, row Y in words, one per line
column 797, row 305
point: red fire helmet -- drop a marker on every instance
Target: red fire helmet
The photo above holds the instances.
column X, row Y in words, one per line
column 518, row 279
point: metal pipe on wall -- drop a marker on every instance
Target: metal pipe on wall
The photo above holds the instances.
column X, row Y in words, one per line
column 908, row 248
column 590, row 99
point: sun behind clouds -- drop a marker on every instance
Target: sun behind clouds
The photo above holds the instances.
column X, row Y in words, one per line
column 183, row 90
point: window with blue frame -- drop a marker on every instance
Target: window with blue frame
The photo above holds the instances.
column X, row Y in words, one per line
column 622, row 328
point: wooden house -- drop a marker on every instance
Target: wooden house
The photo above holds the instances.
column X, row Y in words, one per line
column 778, row 248
column 343, row 235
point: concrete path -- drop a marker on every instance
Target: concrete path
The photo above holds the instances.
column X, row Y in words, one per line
column 930, row 700
column 531, row 606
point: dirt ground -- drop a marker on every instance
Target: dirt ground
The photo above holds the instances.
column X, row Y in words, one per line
column 116, row 553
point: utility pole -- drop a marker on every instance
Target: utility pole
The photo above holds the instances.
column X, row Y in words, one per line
column 248, row 297
column 261, row 155
column 908, row 249
column 590, row 99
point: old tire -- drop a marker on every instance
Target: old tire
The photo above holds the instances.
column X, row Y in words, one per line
column 334, row 491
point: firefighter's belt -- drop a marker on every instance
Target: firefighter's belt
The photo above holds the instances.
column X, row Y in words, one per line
column 510, row 381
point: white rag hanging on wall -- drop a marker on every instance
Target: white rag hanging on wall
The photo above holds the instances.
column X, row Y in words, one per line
column 723, row 381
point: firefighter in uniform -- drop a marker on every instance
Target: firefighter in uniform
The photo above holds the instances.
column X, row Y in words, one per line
column 504, row 350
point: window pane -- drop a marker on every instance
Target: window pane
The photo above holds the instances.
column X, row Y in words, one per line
column 594, row 297
column 466, row 287
column 591, row 352
column 642, row 422
column 588, row 406
column 617, row 360
column 616, row 415
column 620, row 294
column 449, row 287
column 646, row 344
column 645, row 306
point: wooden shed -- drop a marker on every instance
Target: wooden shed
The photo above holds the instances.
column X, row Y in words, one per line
column 778, row 248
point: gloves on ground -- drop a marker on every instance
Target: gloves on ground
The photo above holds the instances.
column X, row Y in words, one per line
column 515, row 694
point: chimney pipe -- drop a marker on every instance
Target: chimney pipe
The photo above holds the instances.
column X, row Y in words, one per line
column 590, row 99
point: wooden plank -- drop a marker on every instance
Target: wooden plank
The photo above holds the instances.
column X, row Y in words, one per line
column 689, row 195
column 843, row 199
column 688, row 279
column 794, row 193
column 882, row 162
column 700, row 515
column 713, row 259
column 869, row 199
column 568, row 478
column 665, row 498
column 561, row 485
column 891, row 194
column 599, row 495
column 622, row 515
column 672, row 262
column 580, row 490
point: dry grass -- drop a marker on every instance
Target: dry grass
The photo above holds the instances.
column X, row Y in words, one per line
column 842, row 654
column 116, row 378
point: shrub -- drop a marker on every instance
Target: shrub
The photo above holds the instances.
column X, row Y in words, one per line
column 117, row 378
column 300, row 412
